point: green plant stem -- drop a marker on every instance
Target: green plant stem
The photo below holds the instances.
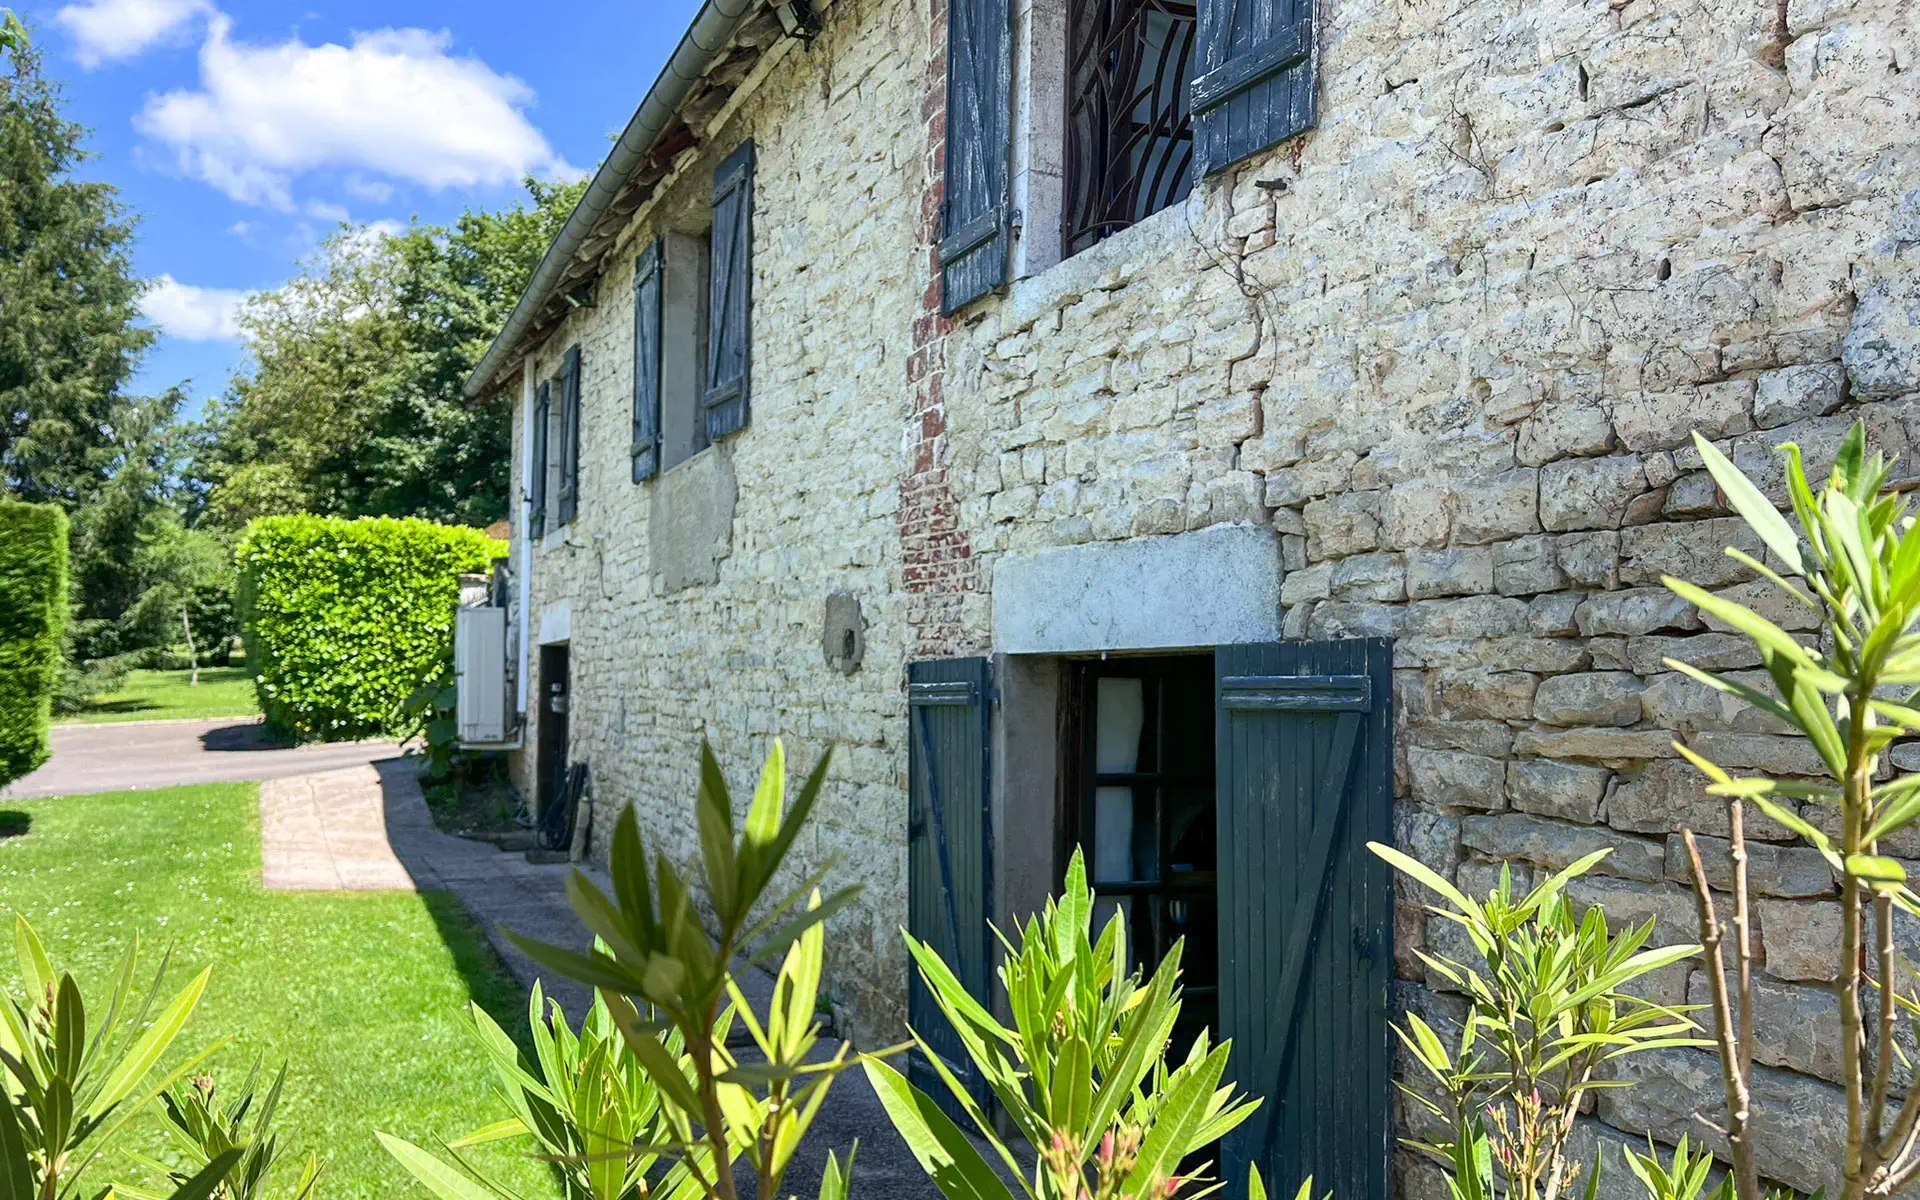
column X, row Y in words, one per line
column 1734, row 1071
column 1860, row 1151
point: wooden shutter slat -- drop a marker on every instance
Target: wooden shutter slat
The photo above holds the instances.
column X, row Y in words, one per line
column 975, row 230
column 730, row 307
column 1255, row 85
column 1304, row 781
column 646, row 363
column 949, row 863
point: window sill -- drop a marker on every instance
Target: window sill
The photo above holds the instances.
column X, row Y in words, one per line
column 1106, row 265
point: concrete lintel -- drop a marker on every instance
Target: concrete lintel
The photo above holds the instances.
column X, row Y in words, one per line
column 1207, row 588
column 556, row 623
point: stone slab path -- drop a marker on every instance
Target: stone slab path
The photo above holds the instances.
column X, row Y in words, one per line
column 121, row 756
column 367, row 828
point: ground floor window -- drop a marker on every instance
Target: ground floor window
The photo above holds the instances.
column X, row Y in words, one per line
column 1147, row 811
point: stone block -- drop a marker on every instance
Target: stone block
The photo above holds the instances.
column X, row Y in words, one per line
column 1553, row 615
column 1758, row 752
column 1591, row 698
column 1629, row 902
column 1469, row 617
column 1790, row 872
column 1660, row 420
column 1456, row 779
column 1483, row 694
column 1670, row 795
column 1547, row 788
column 1606, row 745
column 1801, row 937
column 1684, row 704
column 1764, row 597
column 1497, row 506
column 1553, row 845
column 1462, row 571
column 1793, row 1027
column 1708, row 651
column 1693, row 495
column 1370, row 577
column 1342, row 525
column 1490, row 739
column 1691, row 550
column 1634, row 612
column 1417, row 513
column 1526, row 566
column 1353, row 619
column 1590, row 560
column 1294, row 485
column 1796, row 393
column 1564, row 431
column 1307, row 583
column 1589, row 493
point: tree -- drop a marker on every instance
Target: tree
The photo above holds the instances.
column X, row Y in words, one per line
column 68, row 338
column 187, row 574
column 352, row 403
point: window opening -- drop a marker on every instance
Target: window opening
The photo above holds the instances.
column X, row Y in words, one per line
column 1129, row 127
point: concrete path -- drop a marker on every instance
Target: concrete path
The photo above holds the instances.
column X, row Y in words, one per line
column 146, row 754
column 367, row 828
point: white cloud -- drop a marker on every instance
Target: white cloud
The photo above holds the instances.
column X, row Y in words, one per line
column 369, row 189
column 395, row 103
column 194, row 314
column 106, row 30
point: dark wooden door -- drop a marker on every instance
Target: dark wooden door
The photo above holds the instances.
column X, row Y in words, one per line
column 551, row 756
column 1305, row 780
column 949, row 868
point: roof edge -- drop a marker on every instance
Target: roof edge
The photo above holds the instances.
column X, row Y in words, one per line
column 713, row 27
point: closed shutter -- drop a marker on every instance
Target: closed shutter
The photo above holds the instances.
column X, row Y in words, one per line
column 978, row 207
column 537, row 486
column 948, row 863
column 1305, row 781
column 570, row 435
column 1256, row 78
column 730, row 286
column 646, row 364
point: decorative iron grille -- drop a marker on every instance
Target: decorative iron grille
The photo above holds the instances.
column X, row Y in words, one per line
column 1129, row 130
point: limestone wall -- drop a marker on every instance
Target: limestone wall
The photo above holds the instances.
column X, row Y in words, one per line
column 814, row 476
column 1451, row 344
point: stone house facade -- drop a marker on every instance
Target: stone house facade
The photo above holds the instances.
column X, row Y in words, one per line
column 1413, row 365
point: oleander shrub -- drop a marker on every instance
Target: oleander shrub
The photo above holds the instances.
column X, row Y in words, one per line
column 341, row 618
column 33, row 616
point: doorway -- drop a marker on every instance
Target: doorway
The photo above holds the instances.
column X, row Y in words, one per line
column 1144, row 812
column 550, row 761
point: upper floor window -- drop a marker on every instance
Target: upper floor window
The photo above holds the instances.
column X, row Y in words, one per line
column 1129, row 129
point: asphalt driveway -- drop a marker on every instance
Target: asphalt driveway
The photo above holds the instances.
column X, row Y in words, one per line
column 148, row 754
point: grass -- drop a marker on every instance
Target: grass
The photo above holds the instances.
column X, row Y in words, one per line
column 166, row 695
column 363, row 995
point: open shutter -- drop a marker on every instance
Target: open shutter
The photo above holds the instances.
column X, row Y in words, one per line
column 730, row 287
column 1305, row 781
column 646, row 363
column 979, row 206
column 1255, row 85
column 537, row 486
column 570, row 435
column 948, row 864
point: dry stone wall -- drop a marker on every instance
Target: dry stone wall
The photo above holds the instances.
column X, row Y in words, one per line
column 655, row 665
column 1451, row 344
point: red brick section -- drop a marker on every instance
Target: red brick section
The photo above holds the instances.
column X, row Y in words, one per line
column 937, row 556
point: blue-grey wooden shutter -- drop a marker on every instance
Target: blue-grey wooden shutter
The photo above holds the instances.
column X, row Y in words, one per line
column 537, row 486
column 1255, row 82
column 949, row 868
column 646, row 363
column 1305, row 781
column 978, row 209
column 569, row 435
column 730, row 287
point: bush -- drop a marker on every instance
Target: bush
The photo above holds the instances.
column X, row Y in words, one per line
column 342, row 618
column 33, row 617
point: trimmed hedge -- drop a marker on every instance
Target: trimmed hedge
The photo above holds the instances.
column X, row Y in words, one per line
column 341, row 618
column 33, row 616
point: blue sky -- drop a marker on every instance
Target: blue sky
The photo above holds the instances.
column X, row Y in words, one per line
column 242, row 132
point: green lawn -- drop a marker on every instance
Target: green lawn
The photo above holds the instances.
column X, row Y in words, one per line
column 166, row 695
column 362, row 995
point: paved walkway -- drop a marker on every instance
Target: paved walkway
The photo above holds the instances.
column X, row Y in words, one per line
column 120, row 756
column 367, row 828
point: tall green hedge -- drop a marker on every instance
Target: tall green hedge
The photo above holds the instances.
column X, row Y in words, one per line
column 341, row 618
column 33, row 615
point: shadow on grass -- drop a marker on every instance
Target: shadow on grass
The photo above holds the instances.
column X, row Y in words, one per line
column 97, row 708
column 14, row 823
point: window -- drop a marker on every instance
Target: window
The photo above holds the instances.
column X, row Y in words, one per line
column 537, row 481
column 670, row 297
column 1129, row 132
